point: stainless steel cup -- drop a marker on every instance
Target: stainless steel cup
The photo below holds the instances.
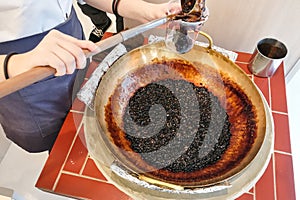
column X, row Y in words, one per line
column 267, row 57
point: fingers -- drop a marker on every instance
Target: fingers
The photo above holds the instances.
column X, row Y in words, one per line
column 72, row 56
column 64, row 62
column 173, row 7
column 62, row 52
column 157, row 11
column 60, row 66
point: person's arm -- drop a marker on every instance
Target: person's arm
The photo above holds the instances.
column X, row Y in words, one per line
column 64, row 53
column 138, row 9
column 58, row 50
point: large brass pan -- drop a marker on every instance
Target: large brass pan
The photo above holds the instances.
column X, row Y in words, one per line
column 121, row 74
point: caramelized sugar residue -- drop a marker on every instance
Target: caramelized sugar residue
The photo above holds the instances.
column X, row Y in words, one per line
column 213, row 90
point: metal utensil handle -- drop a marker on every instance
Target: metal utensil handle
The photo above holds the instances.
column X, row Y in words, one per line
column 125, row 35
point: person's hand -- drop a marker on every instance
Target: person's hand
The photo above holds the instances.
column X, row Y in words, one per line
column 157, row 11
column 60, row 51
column 139, row 10
column 174, row 7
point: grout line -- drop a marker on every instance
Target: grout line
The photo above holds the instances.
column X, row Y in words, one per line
column 254, row 192
column 274, row 176
column 83, row 176
column 69, row 151
column 283, row 153
column 84, row 164
column 78, row 112
column 249, row 193
column 278, row 112
column 273, row 154
column 270, row 96
column 241, row 62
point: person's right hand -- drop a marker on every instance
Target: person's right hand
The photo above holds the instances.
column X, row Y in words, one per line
column 60, row 51
column 156, row 11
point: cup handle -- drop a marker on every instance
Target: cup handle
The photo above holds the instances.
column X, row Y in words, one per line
column 210, row 41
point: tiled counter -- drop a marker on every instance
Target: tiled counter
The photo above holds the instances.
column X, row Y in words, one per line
column 69, row 170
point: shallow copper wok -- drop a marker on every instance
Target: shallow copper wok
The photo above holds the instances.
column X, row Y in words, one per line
column 120, row 73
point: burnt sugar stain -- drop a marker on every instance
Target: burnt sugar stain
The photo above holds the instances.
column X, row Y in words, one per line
column 207, row 133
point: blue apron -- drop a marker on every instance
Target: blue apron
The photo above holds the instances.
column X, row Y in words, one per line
column 33, row 116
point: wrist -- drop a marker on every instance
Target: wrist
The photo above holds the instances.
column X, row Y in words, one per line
column 5, row 64
column 18, row 63
column 136, row 10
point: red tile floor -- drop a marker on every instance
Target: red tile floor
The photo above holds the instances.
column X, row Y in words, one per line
column 71, row 172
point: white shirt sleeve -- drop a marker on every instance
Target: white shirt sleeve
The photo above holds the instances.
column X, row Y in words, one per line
column 22, row 18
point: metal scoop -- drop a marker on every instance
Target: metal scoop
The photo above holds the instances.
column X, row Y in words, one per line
column 183, row 31
column 188, row 5
column 192, row 6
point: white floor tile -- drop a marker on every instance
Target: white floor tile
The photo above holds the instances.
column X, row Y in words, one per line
column 4, row 144
column 19, row 171
column 293, row 97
